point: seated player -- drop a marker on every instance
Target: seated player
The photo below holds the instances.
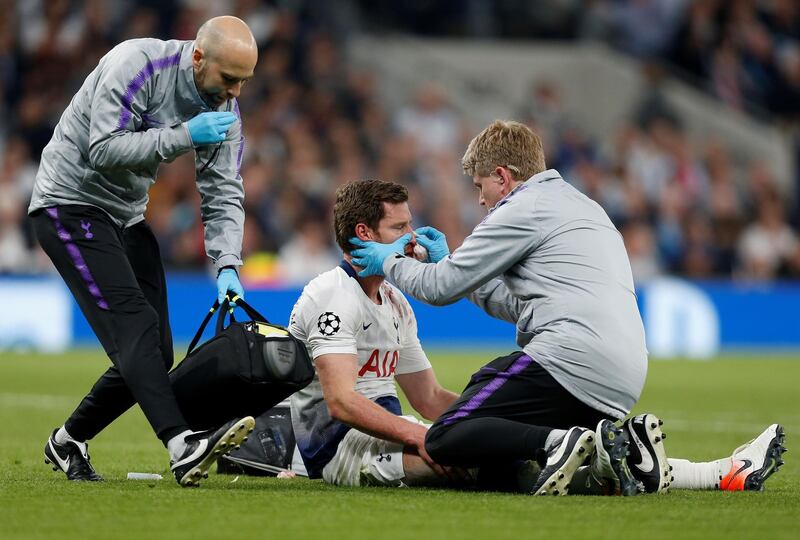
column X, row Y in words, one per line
column 362, row 336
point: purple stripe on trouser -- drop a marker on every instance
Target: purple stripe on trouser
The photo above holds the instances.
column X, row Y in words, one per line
column 138, row 81
column 77, row 258
column 491, row 387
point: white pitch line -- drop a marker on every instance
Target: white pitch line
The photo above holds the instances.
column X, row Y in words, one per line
column 36, row 401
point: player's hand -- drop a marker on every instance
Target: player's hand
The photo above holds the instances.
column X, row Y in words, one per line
column 370, row 255
column 210, row 127
column 434, row 241
column 417, row 441
column 454, row 474
column 228, row 281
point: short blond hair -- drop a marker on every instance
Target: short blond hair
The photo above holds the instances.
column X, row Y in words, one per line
column 505, row 143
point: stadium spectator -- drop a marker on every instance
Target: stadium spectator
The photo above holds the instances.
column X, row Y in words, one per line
column 769, row 247
column 307, row 253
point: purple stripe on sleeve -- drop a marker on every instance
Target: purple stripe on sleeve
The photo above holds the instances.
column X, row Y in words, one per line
column 491, row 387
column 77, row 258
column 138, row 81
column 241, row 140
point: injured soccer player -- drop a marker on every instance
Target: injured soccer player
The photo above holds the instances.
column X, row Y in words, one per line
column 362, row 336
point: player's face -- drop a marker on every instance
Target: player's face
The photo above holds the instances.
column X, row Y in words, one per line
column 490, row 190
column 395, row 223
column 220, row 79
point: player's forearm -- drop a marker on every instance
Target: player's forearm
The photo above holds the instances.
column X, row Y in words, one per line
column 444, row 399
column 140, row 149
column 367, row 416
column 434, row 405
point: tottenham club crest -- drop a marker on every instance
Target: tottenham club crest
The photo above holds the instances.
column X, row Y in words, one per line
column 329, row 323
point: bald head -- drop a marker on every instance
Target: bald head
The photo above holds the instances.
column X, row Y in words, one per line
column 222, row 34
column 225, row 55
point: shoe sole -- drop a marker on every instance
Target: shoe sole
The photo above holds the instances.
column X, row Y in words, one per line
column 655, row 438
column 558, row 482
column 772, row 462
column 614, row 443
column 230, row 441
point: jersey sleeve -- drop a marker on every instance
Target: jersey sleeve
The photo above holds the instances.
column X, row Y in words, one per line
column 412, row 356
column 329, row 322
column 121, row 96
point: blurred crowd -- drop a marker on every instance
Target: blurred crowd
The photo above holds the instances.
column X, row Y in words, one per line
column 746, row 52
column 314, row 121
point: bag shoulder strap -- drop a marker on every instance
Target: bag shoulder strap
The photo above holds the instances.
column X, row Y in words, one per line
column 203, row 325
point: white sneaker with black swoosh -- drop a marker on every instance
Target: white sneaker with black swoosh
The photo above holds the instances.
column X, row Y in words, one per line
column 563, row 459
column 204, row 447
column 648, row 458
column 754, row 462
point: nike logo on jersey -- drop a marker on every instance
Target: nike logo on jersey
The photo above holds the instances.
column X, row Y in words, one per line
column 646, row 464
column 365, row 326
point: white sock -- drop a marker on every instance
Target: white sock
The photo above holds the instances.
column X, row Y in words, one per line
column 553, row 437
column 176, row 445
column 62, row 436
column 689, row 475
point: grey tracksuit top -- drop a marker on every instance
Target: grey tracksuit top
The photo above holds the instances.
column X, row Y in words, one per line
column 548, row 259
column 128, row 117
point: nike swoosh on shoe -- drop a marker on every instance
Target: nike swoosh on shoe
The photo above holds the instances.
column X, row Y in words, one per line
column 646, row 464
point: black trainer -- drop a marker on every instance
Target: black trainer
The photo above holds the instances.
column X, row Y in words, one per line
column 204, row 447
column 648, row 458
column 609, row 464
column 72, row 458
column 563, row 459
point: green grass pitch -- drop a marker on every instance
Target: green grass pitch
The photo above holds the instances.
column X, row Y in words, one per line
column 709, row 408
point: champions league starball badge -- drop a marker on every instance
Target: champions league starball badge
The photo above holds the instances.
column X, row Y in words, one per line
column 329, row 323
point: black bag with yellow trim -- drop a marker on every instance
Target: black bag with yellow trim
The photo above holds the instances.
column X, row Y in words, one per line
column 244, row 370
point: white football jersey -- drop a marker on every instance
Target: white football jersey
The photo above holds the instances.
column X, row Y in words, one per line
column 334, row 315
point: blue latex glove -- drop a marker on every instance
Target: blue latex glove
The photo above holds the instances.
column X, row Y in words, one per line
column 370, row 255
column 434, row 241
column 228, row 280
column 210, row 127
